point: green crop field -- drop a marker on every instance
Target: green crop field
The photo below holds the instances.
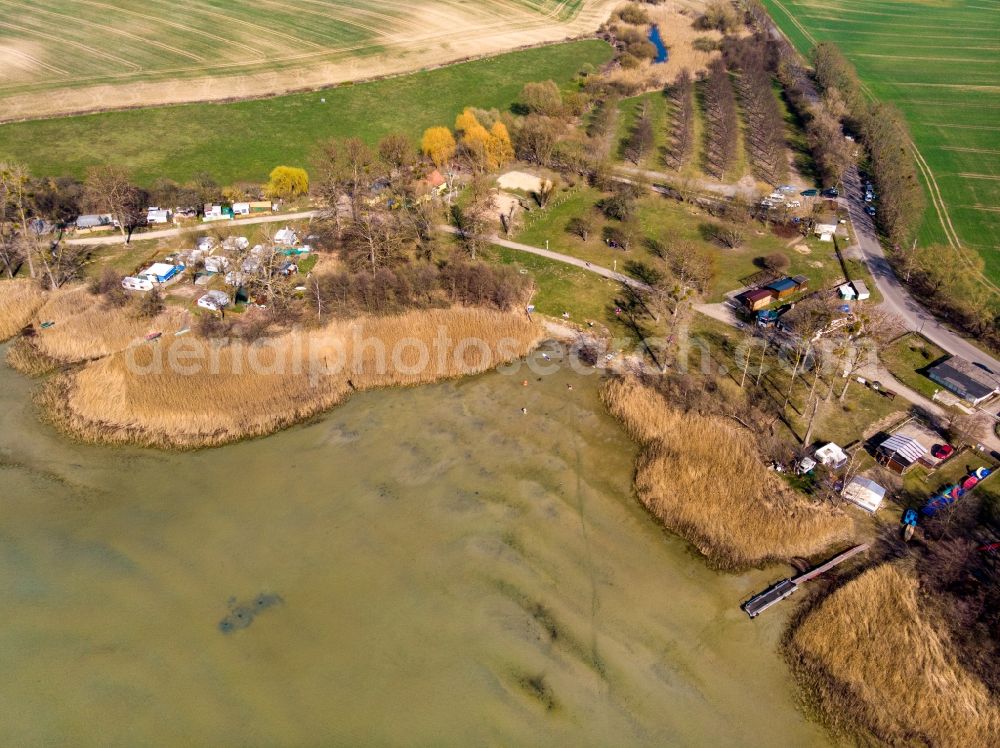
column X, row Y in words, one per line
column 68, row 56
column 939, row 62
column 244, row 140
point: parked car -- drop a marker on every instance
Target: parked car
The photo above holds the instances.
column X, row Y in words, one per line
column 809, row 193
column 870, row 210
column 942, row 451
column 830, row 192
column 793, row 204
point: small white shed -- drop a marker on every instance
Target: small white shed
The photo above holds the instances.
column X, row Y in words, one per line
column 847, row 292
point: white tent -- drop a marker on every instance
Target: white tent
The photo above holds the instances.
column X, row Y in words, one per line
column 867, row 494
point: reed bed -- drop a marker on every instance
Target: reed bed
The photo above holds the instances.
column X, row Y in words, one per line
column 702, row 478
column 189, row 392
column 679, row 35
column 871, row 655
column 86, row 328
column 20, row 298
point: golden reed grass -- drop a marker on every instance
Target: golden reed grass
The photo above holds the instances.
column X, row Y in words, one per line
column 679, row 34
column 237, row 391
column 872, row 656
column 703, row 479
column 19, row 300
column 87, row 328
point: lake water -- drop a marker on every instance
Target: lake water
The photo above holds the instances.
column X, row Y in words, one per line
column 419, row 567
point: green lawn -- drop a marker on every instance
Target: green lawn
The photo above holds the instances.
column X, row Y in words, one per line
column 245, row 140
column 563, row 288
column 629, row 110
column 922, row 482
column 667, row 220
column 838, row 422
column 939, row 62
column 907, row 358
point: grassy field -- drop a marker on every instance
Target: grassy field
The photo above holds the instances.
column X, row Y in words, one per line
column 246, row 139
column 907, row 359
column 560, row 288
column 939, row 62
column 63, row 56
column 665, row 220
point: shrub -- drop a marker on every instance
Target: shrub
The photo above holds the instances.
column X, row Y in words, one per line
column 633, row 14
column 150, row 304
column 776, row 262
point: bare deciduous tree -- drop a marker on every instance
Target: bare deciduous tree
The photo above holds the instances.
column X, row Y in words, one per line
column 109, row 189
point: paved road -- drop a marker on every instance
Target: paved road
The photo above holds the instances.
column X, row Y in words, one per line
column 895, row 298
column 167, row 233
column 558, row 257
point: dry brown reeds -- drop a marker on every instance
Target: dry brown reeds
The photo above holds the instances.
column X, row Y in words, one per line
column 679, row 35
column 20, row 298
column 188, row 392
column 701, row 476
column 23, row 356
column 874, row 658
column 86, row 327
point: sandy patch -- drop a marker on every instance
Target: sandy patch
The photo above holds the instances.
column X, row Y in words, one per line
column 508, row 204
column 802, row 249
column 519, row 180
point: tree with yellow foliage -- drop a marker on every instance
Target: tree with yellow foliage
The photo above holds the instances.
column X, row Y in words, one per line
column 466, row 120
column 484, row 149
column 287, row 182
column 475, row 146
column 499, row 148
column 438, row 144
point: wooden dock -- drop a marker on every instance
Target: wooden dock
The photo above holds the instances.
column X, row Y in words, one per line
column 785, row 587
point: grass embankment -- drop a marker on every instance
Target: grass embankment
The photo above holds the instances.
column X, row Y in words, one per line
column 874, row 657
column 701, row 476
column 188, row 392
column 244, row 140
column 19, row 300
